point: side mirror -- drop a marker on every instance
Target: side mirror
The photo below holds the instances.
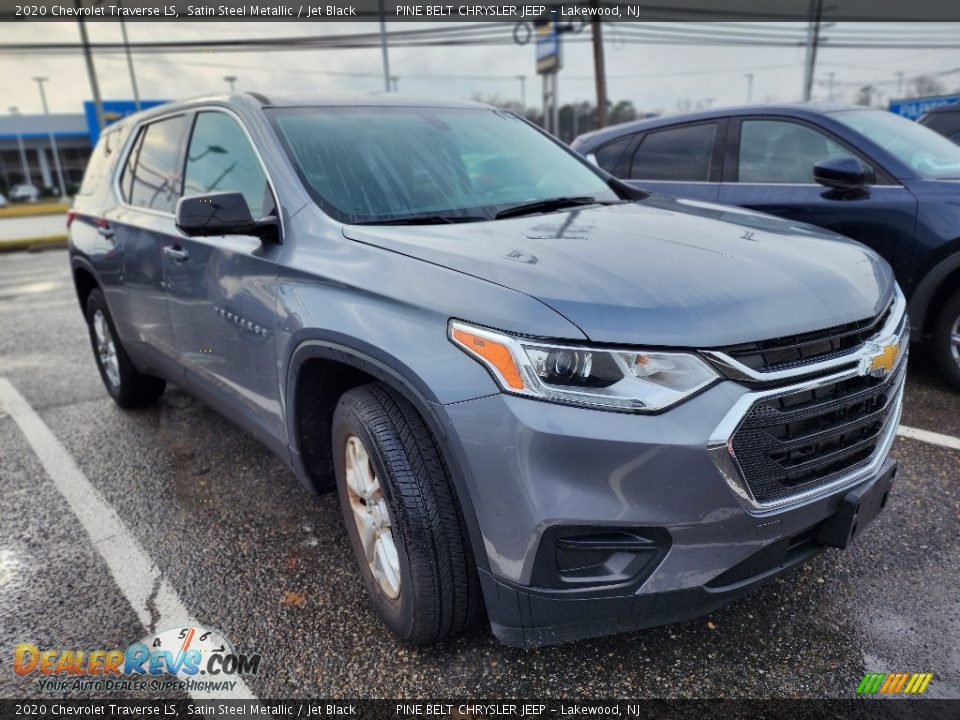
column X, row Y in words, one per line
column 223, row 214
column 843, row 173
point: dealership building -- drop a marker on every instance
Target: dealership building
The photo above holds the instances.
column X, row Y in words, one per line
column 26, row 155
column 26, row 152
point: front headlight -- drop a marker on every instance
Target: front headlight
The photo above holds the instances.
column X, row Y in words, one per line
column 635, row 380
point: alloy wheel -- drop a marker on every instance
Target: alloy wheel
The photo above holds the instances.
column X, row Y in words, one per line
column 368, row 505
column 106, row 348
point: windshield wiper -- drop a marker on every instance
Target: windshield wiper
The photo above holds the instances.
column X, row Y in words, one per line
column 543, row 206
column 424, row 220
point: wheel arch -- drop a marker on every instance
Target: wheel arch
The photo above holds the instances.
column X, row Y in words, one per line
column 939, row 283
column 353, row 366
column 84, row 281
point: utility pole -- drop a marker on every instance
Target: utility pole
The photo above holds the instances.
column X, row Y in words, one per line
column 133, row 74
column 749, row 77
column 830, row 76
column 53, row 141
column 899, row 75
column 599, row 68
column 91, row 70
column 383, row 48
column 231, row 80
column 523, row 92
column 23, row 153
column 813, row 41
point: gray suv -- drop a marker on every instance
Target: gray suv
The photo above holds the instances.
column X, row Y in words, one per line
column 536, row 390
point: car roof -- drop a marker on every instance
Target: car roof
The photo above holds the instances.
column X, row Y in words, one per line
column 254, row 99
column 955, row 107
column 808, row 110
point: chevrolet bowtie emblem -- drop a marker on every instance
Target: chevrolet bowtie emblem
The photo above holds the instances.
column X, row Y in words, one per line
column 882, row 363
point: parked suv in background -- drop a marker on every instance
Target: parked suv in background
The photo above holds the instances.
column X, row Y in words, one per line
column 868, row 174
column 532, row 386
column 944, row 120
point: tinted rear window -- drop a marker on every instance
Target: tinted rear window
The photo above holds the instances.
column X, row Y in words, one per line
column 151, row 178
column 679, row 154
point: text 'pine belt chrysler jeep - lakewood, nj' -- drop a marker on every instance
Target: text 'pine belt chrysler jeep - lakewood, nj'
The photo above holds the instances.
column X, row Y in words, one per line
column 537, row 390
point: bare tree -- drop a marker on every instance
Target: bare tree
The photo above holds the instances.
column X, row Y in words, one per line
column 866, row 95
column 925, row 85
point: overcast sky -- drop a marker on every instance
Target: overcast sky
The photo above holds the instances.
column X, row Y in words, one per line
column 654, row 77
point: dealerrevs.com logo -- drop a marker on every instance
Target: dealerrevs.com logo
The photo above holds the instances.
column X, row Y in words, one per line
column 200, row 659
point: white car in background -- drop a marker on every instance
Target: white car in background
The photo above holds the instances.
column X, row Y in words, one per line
column 3, row 200
column 24, row 193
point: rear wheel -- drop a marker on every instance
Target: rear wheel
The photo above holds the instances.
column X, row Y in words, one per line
column 946, row 341
column 404, row 524
column 126, row 385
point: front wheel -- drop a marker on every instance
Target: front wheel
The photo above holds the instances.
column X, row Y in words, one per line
column 946, row 341
column 404, row 523
column 126, row 385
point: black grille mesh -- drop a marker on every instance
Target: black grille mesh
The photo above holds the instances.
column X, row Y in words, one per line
column 797, row 350
column 789, row 444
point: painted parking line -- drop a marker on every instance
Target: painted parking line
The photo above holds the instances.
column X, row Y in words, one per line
column 934, row 438
column 155, row 602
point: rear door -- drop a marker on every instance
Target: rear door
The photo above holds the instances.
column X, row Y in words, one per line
column 140, row 226
column 681, row 160
column 221, row 290
column 769, row 167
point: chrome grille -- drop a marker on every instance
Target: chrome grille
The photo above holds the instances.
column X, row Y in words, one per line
column 787, row 444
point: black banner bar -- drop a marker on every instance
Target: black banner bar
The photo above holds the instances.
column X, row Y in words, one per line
column 855, row 709
column 493, row 11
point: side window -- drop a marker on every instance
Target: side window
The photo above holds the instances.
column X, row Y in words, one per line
column 153, row 166
column 774, row 151
column 220, row 159
column 682, row 154
column 609, row 155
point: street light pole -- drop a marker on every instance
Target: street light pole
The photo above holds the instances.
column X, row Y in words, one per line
column 40, row 80
column 749, row 77
column 232, row 82
column 91, row 70
column 23, row 153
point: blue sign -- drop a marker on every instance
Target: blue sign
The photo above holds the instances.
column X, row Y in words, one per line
column 916, row 107
column 548, row 47
column 113, row 110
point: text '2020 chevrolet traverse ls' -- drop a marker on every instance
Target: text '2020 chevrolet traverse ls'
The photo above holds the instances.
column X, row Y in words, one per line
column 535, row 389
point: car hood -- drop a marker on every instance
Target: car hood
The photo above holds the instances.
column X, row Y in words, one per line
column 662, row 271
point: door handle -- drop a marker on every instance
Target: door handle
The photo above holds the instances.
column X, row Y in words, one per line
column 176, row 252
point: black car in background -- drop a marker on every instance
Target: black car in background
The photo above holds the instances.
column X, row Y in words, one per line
column 944, row 120
column 868, row 174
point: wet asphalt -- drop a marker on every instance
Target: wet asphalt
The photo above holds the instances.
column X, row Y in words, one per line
column 250, row 552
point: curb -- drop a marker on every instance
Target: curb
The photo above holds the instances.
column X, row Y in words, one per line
column 34, row 244
column 21, row 211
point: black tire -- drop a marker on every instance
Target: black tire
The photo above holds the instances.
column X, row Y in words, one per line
column 132, row 388
column 945, row 352
column 439, row 591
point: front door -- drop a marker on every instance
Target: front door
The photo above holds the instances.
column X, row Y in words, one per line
column 773, row 173
column 221, row 290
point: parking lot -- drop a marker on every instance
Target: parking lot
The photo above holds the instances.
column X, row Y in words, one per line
column 237, row 543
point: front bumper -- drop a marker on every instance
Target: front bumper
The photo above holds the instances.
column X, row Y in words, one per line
column 601, row 478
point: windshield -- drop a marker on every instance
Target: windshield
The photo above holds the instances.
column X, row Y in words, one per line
column 927, row 153
column 377, row 164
